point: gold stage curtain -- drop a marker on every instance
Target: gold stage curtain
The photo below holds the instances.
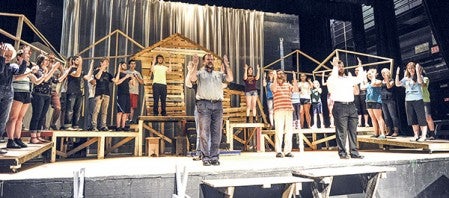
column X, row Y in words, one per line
column 237, row 33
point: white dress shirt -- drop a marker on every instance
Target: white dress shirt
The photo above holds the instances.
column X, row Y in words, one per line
column 342, row 87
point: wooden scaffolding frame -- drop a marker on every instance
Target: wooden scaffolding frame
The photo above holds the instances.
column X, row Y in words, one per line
column 114, row 35
column 319, row 70
column 21, row 21
column 298, row 54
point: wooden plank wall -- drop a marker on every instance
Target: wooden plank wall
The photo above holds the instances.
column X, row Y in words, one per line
column 175, row 85
column 238, row 112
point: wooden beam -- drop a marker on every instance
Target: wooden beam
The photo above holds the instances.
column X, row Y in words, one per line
column 98, row 41
column 118, row 144
column 157, row 133
column 19, row 31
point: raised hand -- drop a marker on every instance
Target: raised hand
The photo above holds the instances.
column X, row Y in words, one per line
column 359, row 61
column 56, row 65
column 418, row 69
column 225, row 60
column 26, row 53
column 196, row 60
column 335, row 61
column 190, row 66
column 154, row 60
column 398, row 71
column 2, row 49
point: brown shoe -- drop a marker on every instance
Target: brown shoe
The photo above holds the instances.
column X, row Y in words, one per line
column 35, row 140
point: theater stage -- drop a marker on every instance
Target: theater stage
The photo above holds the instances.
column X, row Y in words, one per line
column 418, row 174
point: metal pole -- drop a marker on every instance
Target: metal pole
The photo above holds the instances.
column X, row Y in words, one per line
column 281, row 51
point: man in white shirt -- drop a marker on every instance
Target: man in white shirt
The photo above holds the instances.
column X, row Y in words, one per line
column 345, row 112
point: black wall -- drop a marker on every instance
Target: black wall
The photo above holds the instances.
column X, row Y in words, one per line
column 49, row 20
column 280, row 26
column 9, row 24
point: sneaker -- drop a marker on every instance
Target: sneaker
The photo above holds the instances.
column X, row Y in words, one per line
column 414, row 139
column 431, row 138
column 421, row 139
column 375, row 136
column 104, row 129
column 118, row 129
column 12, row 144
column 279, row 155
column 289, row 155
column 382, row 137
column 19, row 142
column 70, row 129
column 53, row 127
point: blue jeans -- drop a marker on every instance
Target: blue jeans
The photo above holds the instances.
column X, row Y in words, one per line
column 210, row 117
column 197, row 126
column 6, row 96
column 72, row 111
column 390, row 115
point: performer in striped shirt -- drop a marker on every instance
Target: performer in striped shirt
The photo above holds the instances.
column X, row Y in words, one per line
column 283, row 113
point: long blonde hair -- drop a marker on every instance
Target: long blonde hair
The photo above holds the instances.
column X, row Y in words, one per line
column 408, row 74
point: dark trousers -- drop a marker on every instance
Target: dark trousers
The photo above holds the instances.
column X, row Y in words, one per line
column 390, row 114
column 159, row 92
column 40, row 104
column 297, row 108
column 345, row 121
column 72, row 110
column 210, row 117
column 90, row 111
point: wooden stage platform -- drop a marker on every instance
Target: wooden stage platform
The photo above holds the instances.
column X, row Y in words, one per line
column 416, row 173
column 404, row 142
column 14, row 158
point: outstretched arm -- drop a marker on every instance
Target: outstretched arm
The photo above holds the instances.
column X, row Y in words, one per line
column 90, row 72
column 193, row 74
column 397, row 81
column 227, row 69
column 258, row 72
column 274, row 85
column 245, row 73
column 419, row 73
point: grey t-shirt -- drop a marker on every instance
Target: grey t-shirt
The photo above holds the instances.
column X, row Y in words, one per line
column 210, row 85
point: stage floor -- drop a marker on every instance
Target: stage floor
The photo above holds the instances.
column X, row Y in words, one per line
column 245, row 162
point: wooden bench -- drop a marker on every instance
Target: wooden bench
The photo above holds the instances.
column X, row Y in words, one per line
column 227, row 186
column 328, row 133
column 100, row 138
column 149, row 123
column 247, row 136
column 323, row 177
